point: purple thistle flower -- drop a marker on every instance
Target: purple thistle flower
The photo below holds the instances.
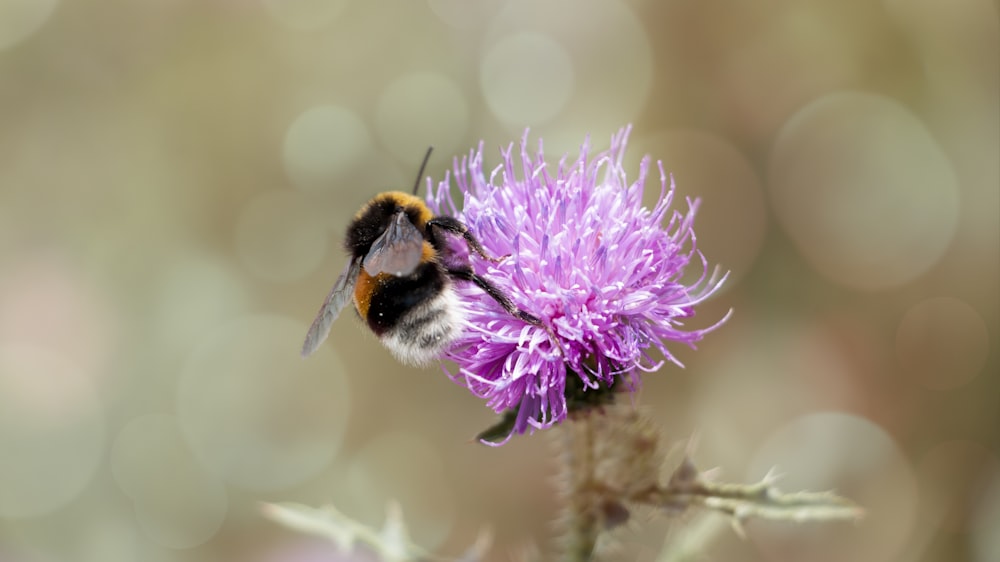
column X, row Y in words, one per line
column 601, row 271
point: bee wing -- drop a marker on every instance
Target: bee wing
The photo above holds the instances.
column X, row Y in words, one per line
column 397, row 251
column 334, row 303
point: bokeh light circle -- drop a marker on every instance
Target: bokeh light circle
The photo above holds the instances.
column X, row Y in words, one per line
column 52, row 431
column 322, row 144
column 19, row 19
column 942, row 343
column 280, row 236
column 610, row 62
column 863, row 189
column 181, row 511
column 421, row 109
column 858, row 459
column 114, row 533
column 257, row 414
column 526, row 78
column 766, row 352
column 376, row 477
column 194, row 294
column 183, row 525
column 304, row 15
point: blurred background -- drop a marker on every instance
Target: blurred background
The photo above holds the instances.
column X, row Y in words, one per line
column 175, row 179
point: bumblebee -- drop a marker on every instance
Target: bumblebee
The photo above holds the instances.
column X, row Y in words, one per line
column 400, row 276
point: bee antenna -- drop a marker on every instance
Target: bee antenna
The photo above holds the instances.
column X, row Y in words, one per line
column 416, row 184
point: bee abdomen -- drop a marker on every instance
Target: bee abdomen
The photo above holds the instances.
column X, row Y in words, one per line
column 425, row 331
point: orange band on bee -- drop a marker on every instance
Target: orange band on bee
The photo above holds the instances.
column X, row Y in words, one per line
column 363, row 290
column 428, row 254
column 405, row 200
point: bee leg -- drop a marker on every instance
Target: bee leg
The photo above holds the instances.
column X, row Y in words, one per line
column 492, row 290
column 466, row 274
column 458, row 228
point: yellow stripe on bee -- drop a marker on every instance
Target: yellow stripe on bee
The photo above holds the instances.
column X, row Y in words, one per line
column 404, row 200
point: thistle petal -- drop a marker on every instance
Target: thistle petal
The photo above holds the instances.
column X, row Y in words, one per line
column 603, row 273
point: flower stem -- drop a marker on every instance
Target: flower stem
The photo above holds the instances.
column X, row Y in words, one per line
column 581, row 510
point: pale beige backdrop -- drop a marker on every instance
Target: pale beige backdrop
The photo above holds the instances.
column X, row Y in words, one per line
column 175, row 177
